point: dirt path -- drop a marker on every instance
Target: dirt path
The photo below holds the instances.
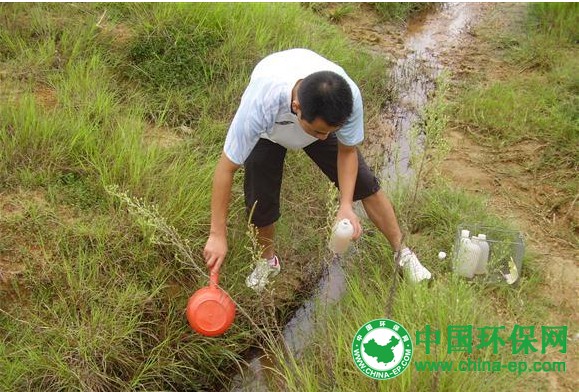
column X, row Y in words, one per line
column 513, row 193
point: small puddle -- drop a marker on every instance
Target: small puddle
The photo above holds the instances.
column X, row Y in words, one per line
column 414, row 77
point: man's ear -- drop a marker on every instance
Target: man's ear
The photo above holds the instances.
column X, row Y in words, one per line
column 295, row 106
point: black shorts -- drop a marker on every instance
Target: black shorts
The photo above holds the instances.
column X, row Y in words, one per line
column 264, row 169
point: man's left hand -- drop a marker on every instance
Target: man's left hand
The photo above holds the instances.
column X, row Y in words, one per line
column 347, row 212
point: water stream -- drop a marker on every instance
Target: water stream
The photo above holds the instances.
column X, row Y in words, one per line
column 415, row 79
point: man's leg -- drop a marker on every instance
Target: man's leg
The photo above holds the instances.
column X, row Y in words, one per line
column 262, row 184
column 265, row 236
column 381, row 213
column 379, row 209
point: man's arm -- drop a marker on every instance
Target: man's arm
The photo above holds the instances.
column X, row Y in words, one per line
column 216, row 246
column 347, row 173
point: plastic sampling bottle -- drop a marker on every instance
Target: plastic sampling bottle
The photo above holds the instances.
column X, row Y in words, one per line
column 341, row 236
column 468, row 255
column 481, row 241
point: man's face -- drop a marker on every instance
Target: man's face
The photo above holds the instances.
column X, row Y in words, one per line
column 317, row 128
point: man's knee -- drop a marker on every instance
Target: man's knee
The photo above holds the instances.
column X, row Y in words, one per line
column 372, row 197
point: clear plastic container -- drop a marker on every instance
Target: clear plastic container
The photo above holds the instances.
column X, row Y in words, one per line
column 506, row 252
column 481, row 241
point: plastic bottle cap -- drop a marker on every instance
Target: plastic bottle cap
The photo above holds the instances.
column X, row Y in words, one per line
column 464, row 233
column 344, row 228
column 441, row 255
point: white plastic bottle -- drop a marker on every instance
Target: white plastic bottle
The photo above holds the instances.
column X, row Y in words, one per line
column 468, row 255
column 341, row 236
column 481, row 241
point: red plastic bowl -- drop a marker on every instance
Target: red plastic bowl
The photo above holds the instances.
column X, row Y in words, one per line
column 210, row 310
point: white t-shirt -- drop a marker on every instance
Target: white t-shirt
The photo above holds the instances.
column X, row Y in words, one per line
column 265, row 108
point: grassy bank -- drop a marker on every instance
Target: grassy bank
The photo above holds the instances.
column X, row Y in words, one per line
column 527, row 111
column 139, row 96
column 92, row 293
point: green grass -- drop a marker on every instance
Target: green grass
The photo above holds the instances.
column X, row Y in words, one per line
column 328, row 364
column 96, row 303
column 541, row 108
column 539, row 99
column 559, row 20
column 535, row 104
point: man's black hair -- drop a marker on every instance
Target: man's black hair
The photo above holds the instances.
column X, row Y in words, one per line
column 327, row 95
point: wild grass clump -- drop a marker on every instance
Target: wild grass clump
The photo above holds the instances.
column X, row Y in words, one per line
column 530, row 107
column 174, row 57
column 175, row 62
column 327, row 363
column 94, row 310
column 539, row 99
column 560, row 20
column 193, row 62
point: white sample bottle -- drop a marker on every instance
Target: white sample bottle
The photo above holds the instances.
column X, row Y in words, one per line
column 481, row 241
column 341, row 236
column 468, row 255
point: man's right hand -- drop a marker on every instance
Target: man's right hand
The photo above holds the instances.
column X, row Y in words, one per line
column 215, row 251
column 216, row 246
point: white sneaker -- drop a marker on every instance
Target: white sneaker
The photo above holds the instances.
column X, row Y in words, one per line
column 413, row 270
column 261, row 274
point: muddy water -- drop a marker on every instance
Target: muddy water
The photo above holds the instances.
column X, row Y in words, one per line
column 426, row 39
